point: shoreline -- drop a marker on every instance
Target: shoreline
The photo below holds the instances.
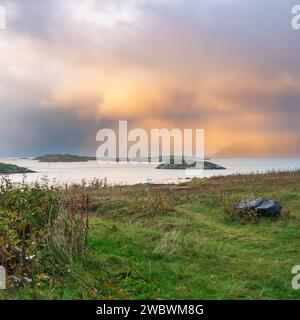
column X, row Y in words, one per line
column 139, row 173
column 44, row 180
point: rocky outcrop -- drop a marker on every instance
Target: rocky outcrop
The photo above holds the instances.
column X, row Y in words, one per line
column 264, row 207
column 184, row 165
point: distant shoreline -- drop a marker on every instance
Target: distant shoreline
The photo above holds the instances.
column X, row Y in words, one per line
column 63, row 158
column 135, row 172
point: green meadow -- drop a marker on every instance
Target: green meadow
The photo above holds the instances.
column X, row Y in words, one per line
column 151, row 242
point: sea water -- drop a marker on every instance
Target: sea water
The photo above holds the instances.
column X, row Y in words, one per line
column 133, row 173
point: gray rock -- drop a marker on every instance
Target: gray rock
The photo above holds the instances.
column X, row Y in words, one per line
column 265, row 207
column 250, row 204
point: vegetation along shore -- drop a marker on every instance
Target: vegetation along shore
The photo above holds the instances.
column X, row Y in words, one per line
column 12, row 169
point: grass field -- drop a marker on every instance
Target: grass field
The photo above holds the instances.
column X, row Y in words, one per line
column 172, row 242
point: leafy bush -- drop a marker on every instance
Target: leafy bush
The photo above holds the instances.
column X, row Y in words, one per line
column 29, row 219
column 25, row 215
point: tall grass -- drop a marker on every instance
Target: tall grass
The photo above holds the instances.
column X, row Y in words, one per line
column 152, row 204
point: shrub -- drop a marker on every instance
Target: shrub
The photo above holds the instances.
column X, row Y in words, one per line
column 242, row 216
column 29, row 219
column 25, row 216
column 250, row 215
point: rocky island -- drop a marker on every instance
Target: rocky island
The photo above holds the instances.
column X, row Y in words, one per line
column 63, row 158
column 184, row 165
column 12, row 169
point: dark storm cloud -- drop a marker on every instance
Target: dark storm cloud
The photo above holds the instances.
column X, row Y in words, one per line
column 37, row 18
column 38, row 131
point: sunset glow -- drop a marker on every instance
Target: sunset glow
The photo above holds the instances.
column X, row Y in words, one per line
column 189, row 64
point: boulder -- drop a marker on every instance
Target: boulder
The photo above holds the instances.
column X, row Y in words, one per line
column 264, row 207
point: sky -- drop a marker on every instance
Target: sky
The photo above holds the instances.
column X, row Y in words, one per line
column 69, row 68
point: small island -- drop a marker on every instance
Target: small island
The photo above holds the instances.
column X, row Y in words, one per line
column 12, row 169
column 64, row 158
column 184, row 165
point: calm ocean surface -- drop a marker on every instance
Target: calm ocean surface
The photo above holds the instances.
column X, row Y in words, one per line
column 139, row 172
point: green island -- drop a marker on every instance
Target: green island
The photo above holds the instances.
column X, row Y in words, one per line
column 12, row 169
column 172, row 165
column 183, row 241
column 63, row 158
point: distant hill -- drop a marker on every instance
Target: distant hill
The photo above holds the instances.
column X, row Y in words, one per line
column 265, row 148
column 63, row 158
column 11, row 169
